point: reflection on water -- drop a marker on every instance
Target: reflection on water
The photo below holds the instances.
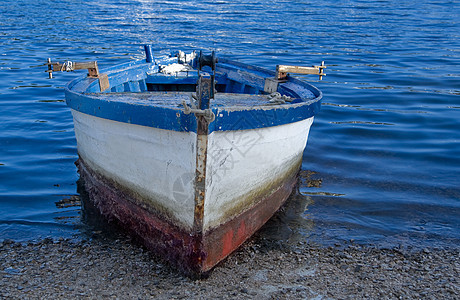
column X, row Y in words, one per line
column 94, row 225
column 291, row 225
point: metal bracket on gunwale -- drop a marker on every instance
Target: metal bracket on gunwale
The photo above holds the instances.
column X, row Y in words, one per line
column 93, row 71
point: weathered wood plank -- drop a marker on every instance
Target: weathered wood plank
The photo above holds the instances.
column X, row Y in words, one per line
column 282, row 70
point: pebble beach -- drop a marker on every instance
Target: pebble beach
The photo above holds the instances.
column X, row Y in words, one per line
column 104, row 268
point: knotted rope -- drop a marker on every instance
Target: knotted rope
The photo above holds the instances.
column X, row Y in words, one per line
column 277, row 98
column 67, row 66
column 206, row 113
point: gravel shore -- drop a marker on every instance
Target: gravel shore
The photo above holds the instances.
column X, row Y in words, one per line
column 104, row 268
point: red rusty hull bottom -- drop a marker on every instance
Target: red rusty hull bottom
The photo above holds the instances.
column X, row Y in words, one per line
column 223, row 240
column 192, row 253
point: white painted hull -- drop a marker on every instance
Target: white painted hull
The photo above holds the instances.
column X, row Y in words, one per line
column 241, row 168
column 243, row 164
column 149, row 161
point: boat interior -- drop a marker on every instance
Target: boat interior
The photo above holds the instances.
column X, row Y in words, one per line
column 185, row 82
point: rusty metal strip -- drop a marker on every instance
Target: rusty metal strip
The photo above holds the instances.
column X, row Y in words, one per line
column 200, row 174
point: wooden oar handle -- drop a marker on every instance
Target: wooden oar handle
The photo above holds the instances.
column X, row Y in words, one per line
column 68, row 66
column 93, row 70
column 283, row 70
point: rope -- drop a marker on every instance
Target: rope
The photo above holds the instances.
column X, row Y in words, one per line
column 67, row 66
column 206, row 113
column 276, row 98
column 187, row 109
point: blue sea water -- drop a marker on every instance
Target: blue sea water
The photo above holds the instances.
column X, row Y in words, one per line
column 386, row 144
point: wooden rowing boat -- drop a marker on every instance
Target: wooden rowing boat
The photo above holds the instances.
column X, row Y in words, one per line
column 190, row 153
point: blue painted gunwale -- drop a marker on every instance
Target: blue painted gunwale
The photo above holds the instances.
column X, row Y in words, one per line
column 81, row 95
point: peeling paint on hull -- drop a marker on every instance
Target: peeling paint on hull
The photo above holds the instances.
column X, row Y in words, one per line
column 193, row 253
column 223, row 240
column 157, row 233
